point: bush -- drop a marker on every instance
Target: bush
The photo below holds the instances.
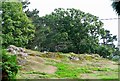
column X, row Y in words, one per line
column 9, row 66
column 104, row 51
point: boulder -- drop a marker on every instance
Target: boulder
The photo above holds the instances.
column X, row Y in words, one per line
column 74, row 58
column 19, row 52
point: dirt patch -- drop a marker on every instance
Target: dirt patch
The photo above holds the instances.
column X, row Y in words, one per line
column 37, row 64
column 87, row 76
column 28, row 76
column 36, row 58
column 50, row 69
column 106, row 64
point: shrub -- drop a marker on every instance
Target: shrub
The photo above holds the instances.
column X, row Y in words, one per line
column 9, row 66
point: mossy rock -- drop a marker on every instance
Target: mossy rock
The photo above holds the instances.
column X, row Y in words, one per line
column 89, row 57
column 51, row 55
column 32, row 53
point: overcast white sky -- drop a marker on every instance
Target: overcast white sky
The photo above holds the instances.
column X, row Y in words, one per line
column 100, row 8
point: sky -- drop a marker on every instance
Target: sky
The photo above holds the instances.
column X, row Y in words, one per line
column 99, row 8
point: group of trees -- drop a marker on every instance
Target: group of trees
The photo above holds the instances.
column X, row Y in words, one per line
column 64, row 30
column 71, row 30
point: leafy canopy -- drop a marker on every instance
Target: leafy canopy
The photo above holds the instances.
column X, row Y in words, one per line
column 17, row 29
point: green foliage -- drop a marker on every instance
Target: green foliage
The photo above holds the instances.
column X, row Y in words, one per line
column 25, row 4
column 116, row 6
column 34, row 17
column 63, row 30
column 108, row 39
column 104, row 51
column 9, row 66
column 17, row 29
column 68, row 30
column 71, row 30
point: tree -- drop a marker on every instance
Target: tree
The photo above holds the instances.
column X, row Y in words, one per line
column 34, row 17
column 69, row 30
column 25, row 4
column 116, row 6
column 107, row 38
column 17, row 29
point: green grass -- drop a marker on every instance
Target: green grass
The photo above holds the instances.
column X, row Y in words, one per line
column 33, row 72
column 105, row 75
column 71, row 69
column 100, row 69
column 68, row 71
column 42, row 74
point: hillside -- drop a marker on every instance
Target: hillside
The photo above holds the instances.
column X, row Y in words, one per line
column 70, row 44
column 42, row 65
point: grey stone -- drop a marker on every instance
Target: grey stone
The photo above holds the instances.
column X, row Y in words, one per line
column 19, row 52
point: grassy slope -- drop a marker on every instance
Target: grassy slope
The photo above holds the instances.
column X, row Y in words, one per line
column 57, row 65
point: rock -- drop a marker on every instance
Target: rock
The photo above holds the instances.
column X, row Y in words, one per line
column 23, row 55
column 13, row 47
column 74, row 58
column 9, row 49
column 96, row 55
column 21, row 49
column 14, row 52
column 31, row 54
column 21, row 61
column 19, row 52
column 45, row 52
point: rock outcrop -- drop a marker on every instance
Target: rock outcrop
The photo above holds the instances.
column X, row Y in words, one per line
column 19, row 52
